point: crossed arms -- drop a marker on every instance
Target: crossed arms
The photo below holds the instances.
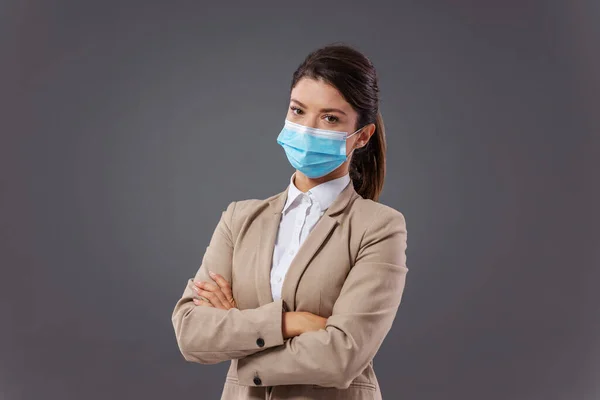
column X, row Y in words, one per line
column 362, row 315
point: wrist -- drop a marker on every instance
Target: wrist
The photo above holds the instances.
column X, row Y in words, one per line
column 290, row 324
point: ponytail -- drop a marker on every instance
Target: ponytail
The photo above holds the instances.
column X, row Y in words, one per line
column 367, row 166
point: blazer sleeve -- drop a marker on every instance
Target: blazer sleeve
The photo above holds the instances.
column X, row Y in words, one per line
column 209, row 335
column 362, row 316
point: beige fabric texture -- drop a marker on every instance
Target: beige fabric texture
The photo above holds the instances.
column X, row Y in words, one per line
column 351, row 269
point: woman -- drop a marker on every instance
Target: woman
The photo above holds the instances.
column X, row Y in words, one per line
column 299, row 290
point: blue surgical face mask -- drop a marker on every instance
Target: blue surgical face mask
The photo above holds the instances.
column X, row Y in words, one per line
column 314, row 152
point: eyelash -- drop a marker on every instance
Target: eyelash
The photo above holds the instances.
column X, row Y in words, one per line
column 294, row 109
column 335, row 119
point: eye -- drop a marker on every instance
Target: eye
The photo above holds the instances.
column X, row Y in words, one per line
column 332, row 119
column 296, row 110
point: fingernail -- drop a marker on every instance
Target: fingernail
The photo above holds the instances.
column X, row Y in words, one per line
column 211, row 273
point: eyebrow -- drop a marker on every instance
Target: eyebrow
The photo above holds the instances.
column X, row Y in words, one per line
column 322, row 110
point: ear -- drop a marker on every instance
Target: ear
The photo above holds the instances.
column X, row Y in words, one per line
column 365, row 135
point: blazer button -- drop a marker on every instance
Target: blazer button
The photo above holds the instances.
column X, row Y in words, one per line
column 260, row 342
column 257, row 381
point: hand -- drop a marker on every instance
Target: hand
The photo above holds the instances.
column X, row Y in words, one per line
column 218, row 294
column 298, row 322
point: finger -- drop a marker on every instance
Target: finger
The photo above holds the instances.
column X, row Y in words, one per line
column 197, row 292
column 216, row 290
column 224, row 285
column 209, row 286
column 202, row 303
column 214, row 299
column 222, row 282
column 196, row 289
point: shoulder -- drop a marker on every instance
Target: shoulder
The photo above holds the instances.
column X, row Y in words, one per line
column 240, row 209
column 377, row 216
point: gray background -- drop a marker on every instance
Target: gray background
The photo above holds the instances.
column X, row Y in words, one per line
column 127, row 127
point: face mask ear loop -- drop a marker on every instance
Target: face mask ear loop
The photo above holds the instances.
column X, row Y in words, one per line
column 351, row 136
column 355, row 132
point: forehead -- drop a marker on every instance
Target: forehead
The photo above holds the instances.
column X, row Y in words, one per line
column 318, row 94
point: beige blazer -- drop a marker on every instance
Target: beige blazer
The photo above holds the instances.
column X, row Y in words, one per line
column 351, row 269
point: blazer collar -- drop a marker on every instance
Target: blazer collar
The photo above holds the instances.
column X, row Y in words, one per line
column 324, row 194
column 278, row 202
column 268, row 228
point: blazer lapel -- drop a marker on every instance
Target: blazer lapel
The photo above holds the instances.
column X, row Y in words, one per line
column 268, row 226
column 313, row 242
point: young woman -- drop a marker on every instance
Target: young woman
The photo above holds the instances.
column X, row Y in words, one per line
column 299, row 290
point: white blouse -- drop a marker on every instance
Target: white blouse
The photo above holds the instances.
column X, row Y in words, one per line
column 299, row 216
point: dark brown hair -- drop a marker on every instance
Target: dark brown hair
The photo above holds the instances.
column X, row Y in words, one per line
column 354, row 76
